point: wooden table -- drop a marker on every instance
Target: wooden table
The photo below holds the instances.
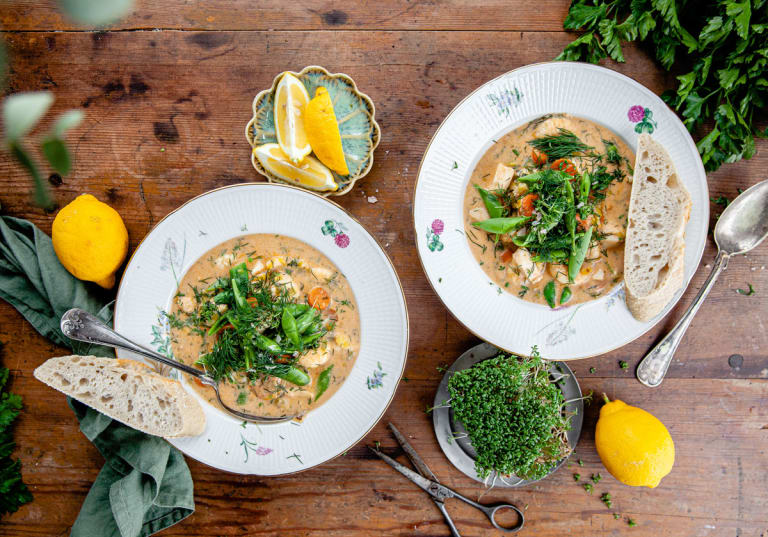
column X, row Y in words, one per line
column 167, row 92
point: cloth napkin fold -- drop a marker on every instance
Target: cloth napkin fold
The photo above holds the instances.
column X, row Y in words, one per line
column 145, row 485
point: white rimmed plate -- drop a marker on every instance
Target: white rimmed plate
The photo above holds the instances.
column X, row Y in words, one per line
column 494, row 109
column 164, row 256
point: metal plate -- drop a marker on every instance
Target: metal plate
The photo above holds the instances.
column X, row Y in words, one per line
column 460, row 452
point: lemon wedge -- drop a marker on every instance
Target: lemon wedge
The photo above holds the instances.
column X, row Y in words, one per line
column 323, row 132
column 291, row 99
column 309, row 173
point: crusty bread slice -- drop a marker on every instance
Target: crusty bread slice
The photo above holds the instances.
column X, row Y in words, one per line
column 128, row 391
column 654, row 251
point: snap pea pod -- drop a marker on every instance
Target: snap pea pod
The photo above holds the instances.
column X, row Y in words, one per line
column 218, row 283
column 223, row 297
column 296, row 309
column 566, row 295
column 492, row 204
column 549, row 293
column 586, row 184
column 288, row 323
column 323, row 380
column 239, row 278
column 312, row 337
column 578, row 254
column 500, row 226
column 306, row 320
column 531, row 178
column 570, row 214
column 267, row 344
column 292, row 374
column 216, row 326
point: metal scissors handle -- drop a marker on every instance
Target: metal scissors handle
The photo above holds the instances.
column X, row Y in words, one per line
column 427, row 481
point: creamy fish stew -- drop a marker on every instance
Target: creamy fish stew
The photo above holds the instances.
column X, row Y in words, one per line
column 546, row 210
column 270, row 317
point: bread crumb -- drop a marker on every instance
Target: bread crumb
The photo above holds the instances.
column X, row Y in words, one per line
column 372, row 199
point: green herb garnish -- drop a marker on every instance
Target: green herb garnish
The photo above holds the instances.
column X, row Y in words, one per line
column 562, row 145
column 606, row 499
column 720, row 44
column 513, row 413
column 13, row 492
column 588, row 487
column 623, row 364
column 749, row 292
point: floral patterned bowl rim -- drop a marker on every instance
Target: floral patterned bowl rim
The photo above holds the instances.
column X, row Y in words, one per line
column 376, row 135
column 149, row 284
column 492, row 110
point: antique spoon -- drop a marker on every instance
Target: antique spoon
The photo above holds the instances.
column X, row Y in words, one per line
column 80, row 325
column 742, row 226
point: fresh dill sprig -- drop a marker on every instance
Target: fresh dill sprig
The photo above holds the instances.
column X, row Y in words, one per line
column 562, row 145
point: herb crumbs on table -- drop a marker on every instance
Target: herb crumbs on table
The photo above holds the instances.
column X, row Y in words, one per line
column 596, row 478
column 631, row 522
column 606, row 499
column 624, row 365
column 581, row 463
column 616, row 516
column 588, row 487
column 592, row 369
column 576, row 477
column 749, row 292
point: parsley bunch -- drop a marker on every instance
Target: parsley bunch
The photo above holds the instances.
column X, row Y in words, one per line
column 13, row 492
column 514, row 415
column 719, row 45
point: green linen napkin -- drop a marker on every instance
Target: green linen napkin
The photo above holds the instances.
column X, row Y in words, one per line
column 145, row 485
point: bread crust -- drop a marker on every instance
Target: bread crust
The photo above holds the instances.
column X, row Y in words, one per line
column 654, row 252
column 128, row 391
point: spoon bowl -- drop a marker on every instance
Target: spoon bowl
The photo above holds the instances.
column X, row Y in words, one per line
column 744, row 222
column 80, row 325
column 742, row 227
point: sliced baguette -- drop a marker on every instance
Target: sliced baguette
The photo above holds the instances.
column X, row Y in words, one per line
column 654, row 251
column 128, row 391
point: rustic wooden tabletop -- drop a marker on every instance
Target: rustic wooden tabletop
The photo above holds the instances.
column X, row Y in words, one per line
column 167, row 92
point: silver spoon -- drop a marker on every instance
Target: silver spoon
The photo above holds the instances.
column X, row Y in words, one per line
column 80, row 325
column 742, row 226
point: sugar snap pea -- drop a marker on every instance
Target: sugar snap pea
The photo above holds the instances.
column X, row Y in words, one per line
column 323, row 380
column 292, row 374
column 306, row 320
column 549, row 293
column 290, row 329
column 566, row 295
column 500, row 226
column 267, row 344
column 578, row 253
column 296, row 309
column 492, row 204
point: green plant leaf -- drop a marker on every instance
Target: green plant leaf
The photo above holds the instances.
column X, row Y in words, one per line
column 42, row 195
column 22, row 111
column 57, row 155
column 96, row 12
column 741, row 13
column 68, row 120
column 581, row 15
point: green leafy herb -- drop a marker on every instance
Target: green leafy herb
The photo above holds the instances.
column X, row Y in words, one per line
column 513, row 413
column 720, row 200
column 588, row 487
column 576, row 477
column 623, row 364
column 13, row 492
column 616, row 516
column 606, row 499
column 561, row 145
column 631, row 522
column 596, row 478
column 592, row 369
column 720, row 43
column 749, row 292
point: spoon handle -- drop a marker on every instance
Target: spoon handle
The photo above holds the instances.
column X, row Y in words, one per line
column 654, row 366
column 82, row 326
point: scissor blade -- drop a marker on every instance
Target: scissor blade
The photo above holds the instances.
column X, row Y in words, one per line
column 424, row 483
column 417, row 461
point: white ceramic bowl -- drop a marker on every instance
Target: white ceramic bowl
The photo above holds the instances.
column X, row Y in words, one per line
column 494, row 109
column 177, row 241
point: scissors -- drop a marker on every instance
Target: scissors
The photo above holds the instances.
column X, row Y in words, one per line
column 426, row 480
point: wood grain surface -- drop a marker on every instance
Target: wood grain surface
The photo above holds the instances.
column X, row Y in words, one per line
column 167, row 92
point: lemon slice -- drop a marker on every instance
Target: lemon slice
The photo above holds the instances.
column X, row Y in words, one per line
column 291, row 99
column 323, row 132
column 309, row 173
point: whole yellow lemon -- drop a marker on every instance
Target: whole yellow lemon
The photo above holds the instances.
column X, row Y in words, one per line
column 90, row 240
column 633, row 444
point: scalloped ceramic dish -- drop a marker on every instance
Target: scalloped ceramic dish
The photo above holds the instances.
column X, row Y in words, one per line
column 360, row 134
